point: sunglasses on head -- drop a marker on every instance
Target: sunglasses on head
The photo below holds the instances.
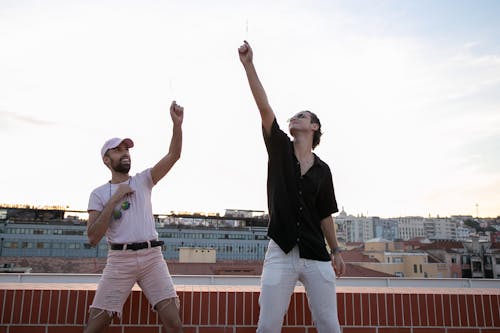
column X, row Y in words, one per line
column 300, row 115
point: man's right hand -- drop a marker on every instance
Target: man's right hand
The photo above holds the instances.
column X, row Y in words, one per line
column 122, row 191
column 246, row 53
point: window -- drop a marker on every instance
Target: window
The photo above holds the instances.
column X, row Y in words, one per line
column 414, row 268
column 73, row 232
column 453, row 260
column 420, row 268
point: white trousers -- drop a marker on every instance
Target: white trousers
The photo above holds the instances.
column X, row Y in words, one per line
column 280, row 274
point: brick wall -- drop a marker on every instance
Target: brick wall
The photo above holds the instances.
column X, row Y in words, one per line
column 58, row 308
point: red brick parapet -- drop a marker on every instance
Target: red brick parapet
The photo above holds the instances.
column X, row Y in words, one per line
column 54, row 308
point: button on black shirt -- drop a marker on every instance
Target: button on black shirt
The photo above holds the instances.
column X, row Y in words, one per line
column 296, row 203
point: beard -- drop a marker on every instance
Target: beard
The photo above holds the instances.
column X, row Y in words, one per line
column 119, row 166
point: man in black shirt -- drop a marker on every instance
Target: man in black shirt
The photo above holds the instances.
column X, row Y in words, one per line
column 301, row 201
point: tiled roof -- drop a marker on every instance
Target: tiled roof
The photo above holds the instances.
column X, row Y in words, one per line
column 357, row 255
column 442, row 245
column 359, row 271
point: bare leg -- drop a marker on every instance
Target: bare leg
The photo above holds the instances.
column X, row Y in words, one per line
column 168, row 311
column 98, row 322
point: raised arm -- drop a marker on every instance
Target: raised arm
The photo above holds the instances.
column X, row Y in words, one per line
column 174, row 152
column 258, row 92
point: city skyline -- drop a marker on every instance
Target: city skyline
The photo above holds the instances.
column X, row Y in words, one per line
column 407, row 93
column 228, row 212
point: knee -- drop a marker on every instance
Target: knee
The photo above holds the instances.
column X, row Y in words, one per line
column 268, row 327
column 99, row 320
column 328, row 325
column 269, row 324
column 173, row 325
column 168, row 311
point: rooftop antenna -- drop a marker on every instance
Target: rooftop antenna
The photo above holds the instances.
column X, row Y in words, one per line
column 173, row 92
column 171, row 89
column 246, row 30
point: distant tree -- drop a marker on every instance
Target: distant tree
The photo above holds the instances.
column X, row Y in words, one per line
column 473, row 224
column 490, row 228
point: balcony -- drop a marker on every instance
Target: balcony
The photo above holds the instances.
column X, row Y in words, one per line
column 52, row 303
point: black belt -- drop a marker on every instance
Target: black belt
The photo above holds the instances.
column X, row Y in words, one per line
column 136, row 246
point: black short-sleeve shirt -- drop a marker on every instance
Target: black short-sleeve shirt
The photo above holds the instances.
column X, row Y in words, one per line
column 296, row 203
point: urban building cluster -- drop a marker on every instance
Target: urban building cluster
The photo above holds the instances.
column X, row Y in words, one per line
column 416, row 247
column 432, row 247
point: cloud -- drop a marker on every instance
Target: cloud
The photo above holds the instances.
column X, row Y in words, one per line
column 11, row 119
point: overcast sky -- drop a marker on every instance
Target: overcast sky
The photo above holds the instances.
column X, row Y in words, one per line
column 407, row 92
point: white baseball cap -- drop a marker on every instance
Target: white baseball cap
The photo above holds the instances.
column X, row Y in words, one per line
column 115, row 142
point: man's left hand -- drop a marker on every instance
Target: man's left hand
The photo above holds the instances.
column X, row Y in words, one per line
column 338, row 263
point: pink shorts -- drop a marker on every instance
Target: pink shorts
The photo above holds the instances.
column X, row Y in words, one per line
column 123, row 269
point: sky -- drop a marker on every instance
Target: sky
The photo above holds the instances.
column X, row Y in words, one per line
column 407, row 93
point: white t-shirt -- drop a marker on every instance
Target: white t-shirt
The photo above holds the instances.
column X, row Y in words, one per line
column 136, row 223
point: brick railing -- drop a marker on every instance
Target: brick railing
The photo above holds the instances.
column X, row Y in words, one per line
column 62, row 308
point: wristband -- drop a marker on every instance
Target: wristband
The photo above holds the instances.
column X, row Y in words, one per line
column 335, row 250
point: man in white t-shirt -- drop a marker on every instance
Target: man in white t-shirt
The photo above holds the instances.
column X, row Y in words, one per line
column 121, row 210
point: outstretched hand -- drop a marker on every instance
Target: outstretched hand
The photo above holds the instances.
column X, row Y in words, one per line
column 245, row 52
column 177, row 113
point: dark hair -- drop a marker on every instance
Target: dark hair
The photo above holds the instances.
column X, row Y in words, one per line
column 317, row 133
